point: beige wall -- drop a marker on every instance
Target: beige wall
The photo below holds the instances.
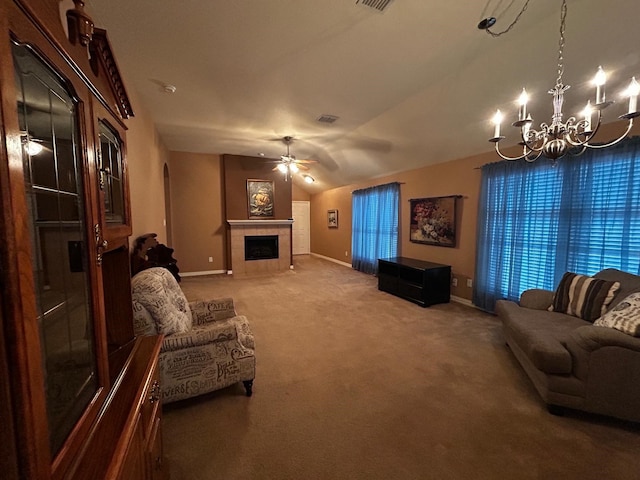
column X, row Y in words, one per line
column 459, row 177
column 197, row 211
column 146, row 156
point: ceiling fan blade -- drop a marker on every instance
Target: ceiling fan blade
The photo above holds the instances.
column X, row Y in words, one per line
column 306, row 161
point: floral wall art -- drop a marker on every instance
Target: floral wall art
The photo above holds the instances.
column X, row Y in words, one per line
column 433, row 221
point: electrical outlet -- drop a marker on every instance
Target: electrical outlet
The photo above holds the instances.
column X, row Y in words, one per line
column 454, row 282
column 469, row 283
column 210, row 259
column 346, row 253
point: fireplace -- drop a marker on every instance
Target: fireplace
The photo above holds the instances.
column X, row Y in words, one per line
column 276, row 259
column 260, row 247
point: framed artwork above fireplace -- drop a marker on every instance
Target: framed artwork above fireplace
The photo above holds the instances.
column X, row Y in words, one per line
column 260, row 195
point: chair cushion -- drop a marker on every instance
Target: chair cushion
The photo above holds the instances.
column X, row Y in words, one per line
column 582, row 296
column 158, row 292
column 624, row 317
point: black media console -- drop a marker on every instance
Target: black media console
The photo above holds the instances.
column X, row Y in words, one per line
column 425, row 283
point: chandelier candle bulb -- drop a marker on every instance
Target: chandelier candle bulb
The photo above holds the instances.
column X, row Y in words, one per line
column 600, row 80
column 633, row 91
column 522, row 101
column 497, row 120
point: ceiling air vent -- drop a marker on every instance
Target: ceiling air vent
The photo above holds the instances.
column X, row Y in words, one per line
column 379, row 5
column 324, row 118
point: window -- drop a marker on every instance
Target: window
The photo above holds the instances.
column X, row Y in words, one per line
column 539, row 220
column 375, row 226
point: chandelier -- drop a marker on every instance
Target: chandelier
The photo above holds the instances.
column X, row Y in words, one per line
column 559, row 138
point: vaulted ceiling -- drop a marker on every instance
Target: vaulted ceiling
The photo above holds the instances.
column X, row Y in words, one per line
column 411, row 86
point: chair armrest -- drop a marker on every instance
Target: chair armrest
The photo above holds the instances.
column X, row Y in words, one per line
column 203, row 312
column 219, row 332
column 536, row 299
column 245, row 336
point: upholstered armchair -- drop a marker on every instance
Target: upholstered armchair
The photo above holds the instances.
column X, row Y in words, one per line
column 206, row 346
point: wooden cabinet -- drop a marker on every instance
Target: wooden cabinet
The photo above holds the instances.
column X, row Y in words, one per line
column 421, row 282
column 77, row 398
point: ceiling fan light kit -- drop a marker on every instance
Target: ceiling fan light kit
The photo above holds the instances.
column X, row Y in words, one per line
column 559, row 138
column 289, row 165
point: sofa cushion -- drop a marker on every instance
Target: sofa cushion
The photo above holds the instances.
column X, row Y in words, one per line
column 540, row 335
column 582, row 296
column 625, row 316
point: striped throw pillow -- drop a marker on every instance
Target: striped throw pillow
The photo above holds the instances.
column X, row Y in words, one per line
column 582, row 296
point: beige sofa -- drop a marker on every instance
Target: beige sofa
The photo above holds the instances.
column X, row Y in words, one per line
column 207, row 346
column 572, row 362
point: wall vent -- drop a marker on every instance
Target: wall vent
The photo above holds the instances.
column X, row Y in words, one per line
column 324, row 118
column 379, row 5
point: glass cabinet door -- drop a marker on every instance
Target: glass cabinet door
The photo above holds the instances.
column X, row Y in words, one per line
column 111, row 174
column 48, row 117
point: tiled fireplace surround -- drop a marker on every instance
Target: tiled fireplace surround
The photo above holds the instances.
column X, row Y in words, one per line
column 242, row 228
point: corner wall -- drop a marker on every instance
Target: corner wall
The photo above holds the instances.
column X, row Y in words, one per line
column 146, row 157
column 197, row 211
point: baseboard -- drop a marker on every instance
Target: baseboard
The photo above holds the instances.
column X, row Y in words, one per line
column 199, row 274
column 463, row 301
column 332, row 260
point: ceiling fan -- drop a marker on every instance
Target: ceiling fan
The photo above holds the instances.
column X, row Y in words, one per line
column 289, row 164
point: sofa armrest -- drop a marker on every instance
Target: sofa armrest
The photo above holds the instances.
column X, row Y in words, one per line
column 608, row 362
column 536, row 299
column 203, row 312
column 592, row 337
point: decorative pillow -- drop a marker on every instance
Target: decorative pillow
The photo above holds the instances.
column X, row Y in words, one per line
column 624, row 317
column 582, row 296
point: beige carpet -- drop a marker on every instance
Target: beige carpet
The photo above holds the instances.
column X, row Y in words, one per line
column 354, row 383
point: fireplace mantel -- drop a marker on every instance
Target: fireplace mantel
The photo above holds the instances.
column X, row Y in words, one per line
column 254, row 223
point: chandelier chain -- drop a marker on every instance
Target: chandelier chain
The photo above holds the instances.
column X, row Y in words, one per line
column 497, row 34
column 563, row 16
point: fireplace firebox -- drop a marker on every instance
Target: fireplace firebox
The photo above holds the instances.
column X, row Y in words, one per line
column 260, row 247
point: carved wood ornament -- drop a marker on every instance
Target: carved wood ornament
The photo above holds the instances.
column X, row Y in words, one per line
column 80, row 24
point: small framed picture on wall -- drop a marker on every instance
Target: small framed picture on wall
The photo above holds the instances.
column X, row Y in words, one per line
column 332, row 218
